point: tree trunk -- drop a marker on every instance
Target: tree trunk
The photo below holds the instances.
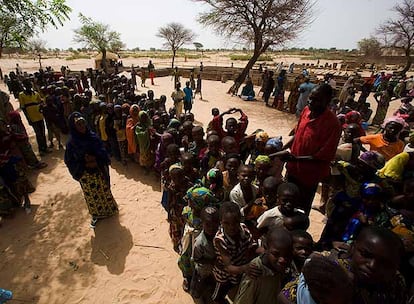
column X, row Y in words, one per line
column 173, row 59
column 409, row 61
column 242, row 77
column 104, row 65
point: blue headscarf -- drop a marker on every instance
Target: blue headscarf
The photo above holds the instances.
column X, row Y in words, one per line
column 80, row 144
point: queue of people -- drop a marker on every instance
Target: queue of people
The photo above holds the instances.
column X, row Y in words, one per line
column 237, row 223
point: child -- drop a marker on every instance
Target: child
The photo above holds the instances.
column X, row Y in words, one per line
column 190, row 172
column 302, row 247
column 262, row 165
column 204, row 257
column 230, row 179
column 287, row 197
column 373, row 265
column 198, row 144
column 215, row 112
column 197, row 198
column 212, row 155
column 188, row 98
column 244, row 193
column 53, row 121
column 176, row 191
column 120, row 127
column 273, row 263
column 274, row 145
column 233, row 244
column 214, row 181
column 322, row 281
column 198, row 87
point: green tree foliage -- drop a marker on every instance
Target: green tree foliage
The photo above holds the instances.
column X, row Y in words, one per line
column 263, row 23
column 98, row 36
column 370, row 47
column 20, row 20
column 399, row 32
column 175, row 35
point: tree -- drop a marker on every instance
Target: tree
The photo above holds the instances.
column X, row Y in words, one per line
column 399, row 32
column 22, row 19
column 175, row 36
column 97, row 36
column 370, row 47
column 263, row 23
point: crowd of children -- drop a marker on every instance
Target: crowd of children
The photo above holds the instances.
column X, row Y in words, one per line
column 235, row 223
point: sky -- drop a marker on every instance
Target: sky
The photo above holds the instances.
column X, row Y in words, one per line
column 337, row 23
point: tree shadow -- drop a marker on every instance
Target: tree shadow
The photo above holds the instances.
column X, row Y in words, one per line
column 111, row 245
column 44, row 249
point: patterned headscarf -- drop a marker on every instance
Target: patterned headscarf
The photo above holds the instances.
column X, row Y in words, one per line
column 214, row 179
column 353, row 117
column 197, row 198
column 373, row 159
column 395, row 119
column 261, row 137
column 275, row 142
column 264, row 159
column 370, row 189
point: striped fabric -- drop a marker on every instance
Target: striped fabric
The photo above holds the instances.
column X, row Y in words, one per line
column 237, row 251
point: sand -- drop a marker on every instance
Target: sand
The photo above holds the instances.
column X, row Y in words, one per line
column 52, row 256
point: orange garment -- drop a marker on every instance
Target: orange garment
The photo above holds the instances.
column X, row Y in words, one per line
column 130, row 129
column 379, row 144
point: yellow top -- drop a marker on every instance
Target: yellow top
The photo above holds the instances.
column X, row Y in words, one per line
column 31, row 103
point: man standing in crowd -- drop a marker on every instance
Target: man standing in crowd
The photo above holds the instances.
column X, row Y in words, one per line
column 313, row 145
column 30, row 102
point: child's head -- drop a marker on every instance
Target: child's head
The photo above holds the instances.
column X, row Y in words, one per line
column 232, row 164
column 297, row 221
column 262, row 165
column 327, row 281
column 187, row 128
column 215, row 112
column 211, row 132
column 351, row 132
column 376, row 255
column 231, row 126
column 173, row 152
column 245, row 175
column 270, row 191
column 273, row 145
column 211, row 221
column 176, row 174
column 198, row 134
column 187, row 161
column 372, row 195
column 288, row 197
column 260, row 141
column 213, row 143
column 189, row 117
column 229, row 145
column 230, row 218
column 278, row 249
column 393, row 127
column 302, row 246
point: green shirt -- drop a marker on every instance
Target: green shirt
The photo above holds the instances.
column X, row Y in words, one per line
column 261, row 290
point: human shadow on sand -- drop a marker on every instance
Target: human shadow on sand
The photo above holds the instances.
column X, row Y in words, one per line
column 111, row 245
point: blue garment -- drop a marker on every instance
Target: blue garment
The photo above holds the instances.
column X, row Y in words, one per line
column 188, row 94
column 79, row 145
column 305, row 89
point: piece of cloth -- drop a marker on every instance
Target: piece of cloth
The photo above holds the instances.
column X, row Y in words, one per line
column 236, row 195
column 261, row 290
column 130, row 128
column 377, row 143
column 271, row 219
column 303, row 293
column 394, row 168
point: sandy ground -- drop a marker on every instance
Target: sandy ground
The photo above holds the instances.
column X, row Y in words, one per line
column 52, row 256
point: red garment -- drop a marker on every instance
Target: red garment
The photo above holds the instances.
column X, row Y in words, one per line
column 217, row 125
column 318, row 138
